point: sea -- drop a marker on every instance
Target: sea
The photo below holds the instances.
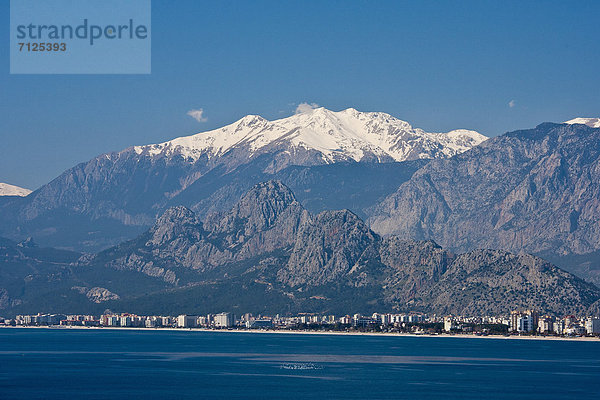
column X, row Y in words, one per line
column 164, row 364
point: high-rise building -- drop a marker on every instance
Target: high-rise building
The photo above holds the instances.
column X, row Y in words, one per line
column 153, row 322
column 187, row 321
column 546, row 324
column 126, row 320
column 449, row 324
column 224, row 320
column 559, row 326
column 592, row 326
column 524, row 321
column 259, row 323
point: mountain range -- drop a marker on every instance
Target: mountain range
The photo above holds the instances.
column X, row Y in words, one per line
column 273, row 211
column 269, row 254
column 116, row 196
column 535, row 190
column 319, row 137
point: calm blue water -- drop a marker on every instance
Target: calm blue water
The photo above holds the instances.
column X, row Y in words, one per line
column 119, row 364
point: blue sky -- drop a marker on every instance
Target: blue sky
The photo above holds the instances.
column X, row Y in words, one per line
column 437, row 65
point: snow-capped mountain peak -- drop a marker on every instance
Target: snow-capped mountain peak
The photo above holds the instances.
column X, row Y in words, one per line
column 592, row 122
column 337, row 136
column 12, row 190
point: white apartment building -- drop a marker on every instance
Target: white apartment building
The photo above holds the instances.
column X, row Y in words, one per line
column 592, row 326
column 224, row 320
column 187, row 321
column 546, row 325
column 524, row 321
column 126, row 320
column 450, row 324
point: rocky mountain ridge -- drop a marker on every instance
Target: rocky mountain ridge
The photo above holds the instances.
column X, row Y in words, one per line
column 116, row 196
column 535, row 190
column 269, row 253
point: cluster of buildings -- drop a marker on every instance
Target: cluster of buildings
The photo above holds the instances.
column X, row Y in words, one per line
column 530, row 321
column 519, row 322
column 52, row 319
column 222, row 320
column 125, row 320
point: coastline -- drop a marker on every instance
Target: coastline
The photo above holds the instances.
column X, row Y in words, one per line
column 302, row 332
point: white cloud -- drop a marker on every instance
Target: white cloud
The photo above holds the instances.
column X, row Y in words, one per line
column 511, row 103
column 305, row 107
column 198, row 115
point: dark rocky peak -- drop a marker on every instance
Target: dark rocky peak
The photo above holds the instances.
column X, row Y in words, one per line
column 339, row 228
column 413, row 266
column 176, row 222
column 410, row 256
column 264, row 202
column 266, row 219
column 267, row 204
column 338, row 223
column 328, row 249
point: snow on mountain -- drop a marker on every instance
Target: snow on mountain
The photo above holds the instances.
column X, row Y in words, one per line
column 338, row 136
column 593, row 122
column 11, row 190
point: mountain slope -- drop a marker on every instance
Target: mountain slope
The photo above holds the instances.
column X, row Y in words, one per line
column 536, row 190
column 116, row 196
column 39, row 279
column 268, row 254
column 491, row 282
column 266, row 219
